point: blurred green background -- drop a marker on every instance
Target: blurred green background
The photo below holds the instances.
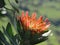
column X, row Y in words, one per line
column 46, row 8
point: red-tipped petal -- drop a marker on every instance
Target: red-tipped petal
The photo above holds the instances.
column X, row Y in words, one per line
column 40, row 19
column 49, row 23
column 33, row 16
column 26, row 12
column 46, row 20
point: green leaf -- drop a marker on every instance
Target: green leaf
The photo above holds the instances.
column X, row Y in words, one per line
column 17, row 39
column 9, row 30
column 37, row 38
column 14, row 5
column 1, row 43
column 9, row 34
column 20, row 29
column 12, row 17
column 19, row 26
column 3, row 39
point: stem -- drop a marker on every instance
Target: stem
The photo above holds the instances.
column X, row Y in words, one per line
column 26, row 42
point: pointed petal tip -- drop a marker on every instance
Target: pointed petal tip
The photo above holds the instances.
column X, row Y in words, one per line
column 22, row 11
column 41, row 17
column 26, row 12
column 47, row 25
column 46, row 20
column 33, row 15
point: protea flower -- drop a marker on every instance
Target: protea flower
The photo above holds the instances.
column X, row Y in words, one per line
column 31, row 23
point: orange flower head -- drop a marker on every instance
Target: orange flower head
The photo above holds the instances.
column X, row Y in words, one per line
column 31, row 23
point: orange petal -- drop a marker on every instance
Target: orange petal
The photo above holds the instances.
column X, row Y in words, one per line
column 44, row 24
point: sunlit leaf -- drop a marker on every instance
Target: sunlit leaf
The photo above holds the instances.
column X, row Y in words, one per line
column 9, row 30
